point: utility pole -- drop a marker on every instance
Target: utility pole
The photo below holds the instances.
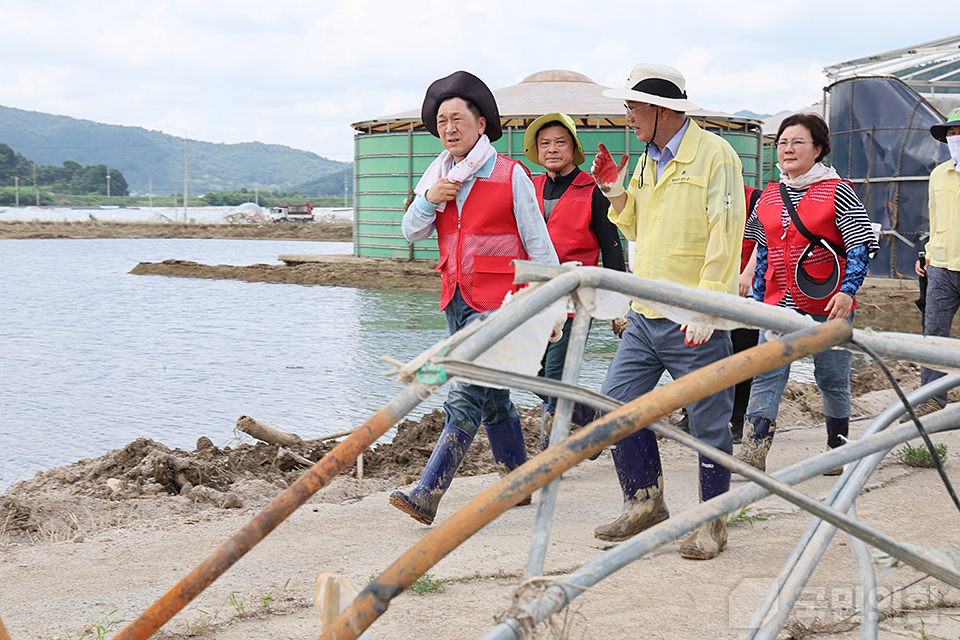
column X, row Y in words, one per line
column 344, row 191
column 16, row 189
column 185, row 192
column 256, row 194
column 108, row 183
column 150, row 191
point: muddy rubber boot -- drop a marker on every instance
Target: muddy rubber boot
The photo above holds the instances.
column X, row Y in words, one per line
column 757, row 439
column 637, row 460
column 837, row 431
column 547, row 411
column 706, row 542
column 508, row 447
column 421, row 502
column 711, row 538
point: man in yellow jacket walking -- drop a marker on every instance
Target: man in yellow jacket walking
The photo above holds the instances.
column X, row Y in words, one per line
column 684, row 208
column 942, row 266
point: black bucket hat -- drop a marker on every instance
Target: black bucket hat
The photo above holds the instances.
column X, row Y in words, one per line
column 939, row 131
column 461, row 84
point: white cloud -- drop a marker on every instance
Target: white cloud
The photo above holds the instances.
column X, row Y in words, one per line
column 297, row 72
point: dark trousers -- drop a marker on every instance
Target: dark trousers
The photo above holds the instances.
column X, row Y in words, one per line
column 742, row 339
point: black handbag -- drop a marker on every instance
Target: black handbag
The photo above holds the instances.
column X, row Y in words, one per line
column 808, row 285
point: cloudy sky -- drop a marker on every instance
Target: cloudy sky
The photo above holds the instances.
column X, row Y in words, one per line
column 298, row 72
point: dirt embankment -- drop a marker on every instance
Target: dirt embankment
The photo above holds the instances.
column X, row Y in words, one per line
column 331, row 271
column 146, row 479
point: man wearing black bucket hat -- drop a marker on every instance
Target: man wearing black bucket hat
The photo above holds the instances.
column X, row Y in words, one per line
column 484, row 209
column 685, row 210
column 942, row 253
column 814, row 244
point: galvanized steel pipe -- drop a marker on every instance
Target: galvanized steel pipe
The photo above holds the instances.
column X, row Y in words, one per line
column 312, row 480
column 607, row 430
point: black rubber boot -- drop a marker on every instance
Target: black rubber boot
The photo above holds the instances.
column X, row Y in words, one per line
column 422, row 501
column 837, row 431
column 684, row 424
column 736, row 428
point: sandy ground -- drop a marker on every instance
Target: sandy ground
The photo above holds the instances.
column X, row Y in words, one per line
column 86, row 548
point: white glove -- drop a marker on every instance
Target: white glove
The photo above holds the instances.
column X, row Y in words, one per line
column 696, row 334
column 558, row 329
column 607, row 174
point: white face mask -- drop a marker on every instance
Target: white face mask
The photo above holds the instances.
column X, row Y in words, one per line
column 953, row 143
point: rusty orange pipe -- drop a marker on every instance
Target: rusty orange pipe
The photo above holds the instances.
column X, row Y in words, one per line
column 537, row 472
column 314, row 479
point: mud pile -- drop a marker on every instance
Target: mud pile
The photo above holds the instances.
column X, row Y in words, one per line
column 148, row 480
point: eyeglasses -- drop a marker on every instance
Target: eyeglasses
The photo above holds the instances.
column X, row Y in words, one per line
column 796, row 144
column 631, row 110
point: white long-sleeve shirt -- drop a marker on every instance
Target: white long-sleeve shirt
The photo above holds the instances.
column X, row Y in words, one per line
column 420, row 217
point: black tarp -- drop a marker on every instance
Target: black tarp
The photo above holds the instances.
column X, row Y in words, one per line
column 880, row 131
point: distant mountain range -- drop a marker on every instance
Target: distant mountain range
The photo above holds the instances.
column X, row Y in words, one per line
column 746, row 113
column 144, row 155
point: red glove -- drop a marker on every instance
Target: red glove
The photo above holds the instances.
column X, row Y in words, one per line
column 608, row 175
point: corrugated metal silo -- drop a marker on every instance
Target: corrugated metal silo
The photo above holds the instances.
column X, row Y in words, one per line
column 391, row 152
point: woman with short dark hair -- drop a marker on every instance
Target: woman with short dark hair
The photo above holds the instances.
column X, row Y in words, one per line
column 814, row 244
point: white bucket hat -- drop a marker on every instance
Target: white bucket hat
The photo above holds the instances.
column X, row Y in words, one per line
column 655, row 84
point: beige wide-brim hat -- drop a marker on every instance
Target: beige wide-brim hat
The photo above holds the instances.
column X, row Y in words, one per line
column 530, row 137
column 655, row 84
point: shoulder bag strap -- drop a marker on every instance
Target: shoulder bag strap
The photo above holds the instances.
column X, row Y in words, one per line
column 829, row 246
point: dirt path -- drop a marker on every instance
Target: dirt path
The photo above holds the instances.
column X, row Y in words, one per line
column 114, row 533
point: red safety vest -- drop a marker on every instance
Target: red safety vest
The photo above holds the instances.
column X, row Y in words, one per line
column 569, row 223
column 818, row 211
column 477, row 245
column 747, row 246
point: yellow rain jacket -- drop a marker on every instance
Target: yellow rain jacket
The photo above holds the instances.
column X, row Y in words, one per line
column 688, row 226
column 943, row 248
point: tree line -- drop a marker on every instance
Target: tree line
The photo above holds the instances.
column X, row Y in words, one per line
column 70, row 178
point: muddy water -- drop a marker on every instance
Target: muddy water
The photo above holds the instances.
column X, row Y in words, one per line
column 92, row 357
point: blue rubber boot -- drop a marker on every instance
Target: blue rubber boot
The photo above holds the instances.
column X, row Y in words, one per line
column 508, row 447
column 756, row 443
column 547, row 412
column 421, row 502
column 710, row 538
column 637, row 459
column 582, row 414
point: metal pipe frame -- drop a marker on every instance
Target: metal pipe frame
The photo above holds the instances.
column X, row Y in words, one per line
column 560, row 430
column 801, row 564
column 375, row 598
column 569, row 586
column 312, row 480
column 453, row 358
column 939, row 353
